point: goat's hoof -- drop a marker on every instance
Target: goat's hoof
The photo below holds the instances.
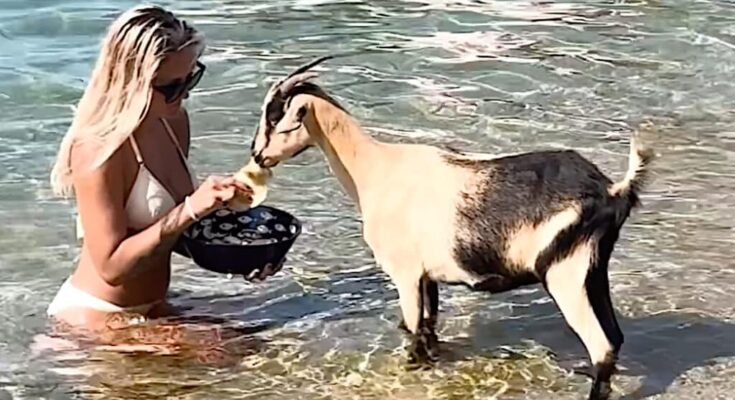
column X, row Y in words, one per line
column 601, row 385
column 418, row 363
column 600, row 390
column 432, row 346
column 424, row 349
column 418, row 354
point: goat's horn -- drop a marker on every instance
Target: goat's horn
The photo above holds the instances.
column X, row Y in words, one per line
column 309, row 66
column 284, row 85
column 298, row 75
column 295, row 80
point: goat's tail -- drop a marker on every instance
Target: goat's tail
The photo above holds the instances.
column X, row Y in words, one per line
column 637, row 174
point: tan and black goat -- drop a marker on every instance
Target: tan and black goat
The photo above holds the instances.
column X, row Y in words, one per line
column 494, row 224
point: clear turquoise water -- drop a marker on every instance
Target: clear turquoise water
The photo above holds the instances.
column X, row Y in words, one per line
column 479, row 75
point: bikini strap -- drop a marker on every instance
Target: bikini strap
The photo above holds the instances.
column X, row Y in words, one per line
column 173, row 138
column 136, row 150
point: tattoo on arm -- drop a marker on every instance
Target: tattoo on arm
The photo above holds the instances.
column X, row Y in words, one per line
column 170, row 230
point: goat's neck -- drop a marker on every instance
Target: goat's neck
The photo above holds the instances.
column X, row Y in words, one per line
column 348, row 149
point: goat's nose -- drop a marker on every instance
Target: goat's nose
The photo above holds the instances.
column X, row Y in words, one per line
column 257, row 157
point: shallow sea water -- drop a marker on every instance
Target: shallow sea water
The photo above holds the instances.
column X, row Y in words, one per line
column 495, row 76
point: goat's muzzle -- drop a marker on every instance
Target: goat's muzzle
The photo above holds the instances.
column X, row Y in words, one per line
column 263, row 162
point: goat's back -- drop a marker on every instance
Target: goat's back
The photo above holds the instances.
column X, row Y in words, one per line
column 519, row 205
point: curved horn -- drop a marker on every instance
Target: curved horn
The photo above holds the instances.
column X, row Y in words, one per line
column 291, row 82
column 297, row 76
column 280, row 88
column 309, row 66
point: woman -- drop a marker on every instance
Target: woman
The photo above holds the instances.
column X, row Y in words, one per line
column 124, row 158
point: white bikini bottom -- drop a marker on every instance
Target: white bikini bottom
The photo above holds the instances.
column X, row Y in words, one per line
column 69, row 296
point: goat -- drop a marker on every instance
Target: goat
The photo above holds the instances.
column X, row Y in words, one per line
column 491, row 223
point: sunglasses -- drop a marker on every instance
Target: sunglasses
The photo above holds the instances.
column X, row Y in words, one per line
column 173, row 90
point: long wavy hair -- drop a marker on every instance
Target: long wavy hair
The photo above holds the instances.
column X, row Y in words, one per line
column 119, row 93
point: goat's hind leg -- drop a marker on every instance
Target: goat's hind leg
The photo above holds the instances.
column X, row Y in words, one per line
column 578, row 285
column 598, row 289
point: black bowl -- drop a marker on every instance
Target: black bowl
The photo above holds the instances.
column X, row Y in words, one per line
column 238, row 242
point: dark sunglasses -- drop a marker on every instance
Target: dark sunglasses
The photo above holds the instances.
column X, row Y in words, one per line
column 173, row 90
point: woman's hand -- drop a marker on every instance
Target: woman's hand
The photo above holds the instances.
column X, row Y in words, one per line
column 269, row 270
column 215, row 192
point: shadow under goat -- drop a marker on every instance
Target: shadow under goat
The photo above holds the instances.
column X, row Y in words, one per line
column 491, row 223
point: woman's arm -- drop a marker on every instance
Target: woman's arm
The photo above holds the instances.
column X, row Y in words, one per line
column 101, row 202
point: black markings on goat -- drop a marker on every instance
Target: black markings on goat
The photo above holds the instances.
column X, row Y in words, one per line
column 493, row 224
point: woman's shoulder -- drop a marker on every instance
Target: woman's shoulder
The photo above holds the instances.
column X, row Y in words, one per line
column 181, row 117
column 85, row 156
column 180, row 125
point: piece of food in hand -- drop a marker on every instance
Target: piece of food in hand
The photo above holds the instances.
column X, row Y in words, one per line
column 241, row 202
column 256, row 178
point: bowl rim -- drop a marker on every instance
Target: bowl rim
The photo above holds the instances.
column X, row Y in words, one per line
column 291, row 238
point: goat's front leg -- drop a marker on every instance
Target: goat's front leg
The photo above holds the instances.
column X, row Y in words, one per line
column 430, row 293
column 423, row 339
column 430, row 296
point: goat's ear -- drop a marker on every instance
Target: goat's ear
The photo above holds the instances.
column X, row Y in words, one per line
column 292, row 121
column 300, row 113
column 297, row 118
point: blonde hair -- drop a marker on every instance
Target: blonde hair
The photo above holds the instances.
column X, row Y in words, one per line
column 119, row 93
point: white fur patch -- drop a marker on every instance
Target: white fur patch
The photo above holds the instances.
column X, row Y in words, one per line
column 418, row 228
column 527, row 242
column 407, row 195
column 565, row 281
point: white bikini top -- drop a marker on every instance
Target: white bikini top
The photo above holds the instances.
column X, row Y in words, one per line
column 148, row 200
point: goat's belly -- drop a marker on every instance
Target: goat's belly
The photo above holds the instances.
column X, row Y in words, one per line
column 451, row 272
column 405, row 261
column 498, row 283
column 407, row 257
column 487, row 276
